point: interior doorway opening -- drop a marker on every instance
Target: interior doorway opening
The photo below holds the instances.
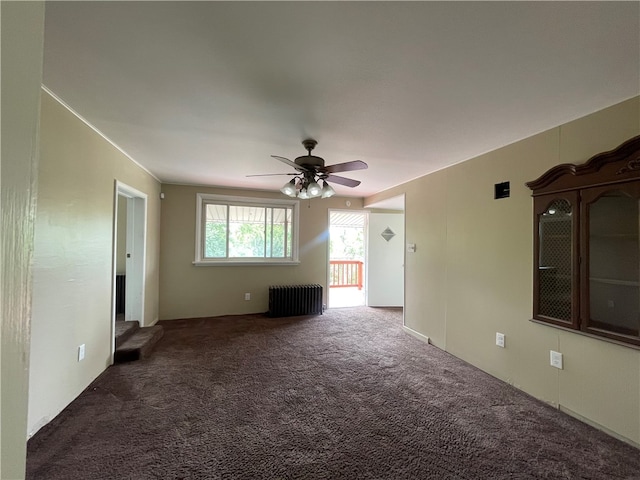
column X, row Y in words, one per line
column 347, row 258
column 129, row 255
column 386, row 253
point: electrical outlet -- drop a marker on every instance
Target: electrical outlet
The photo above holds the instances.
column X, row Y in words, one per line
column 555, row 358
column 247, row 296
column 81, row 352
column 500, row 339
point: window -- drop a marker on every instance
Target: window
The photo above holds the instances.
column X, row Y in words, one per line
column 245, row 230
column 587, row 247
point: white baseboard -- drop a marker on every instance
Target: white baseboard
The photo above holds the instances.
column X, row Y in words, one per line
column 37, row 426
column 413, row 333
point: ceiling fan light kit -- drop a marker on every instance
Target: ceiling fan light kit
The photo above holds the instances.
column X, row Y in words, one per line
column 303, row 195
column 311, row 170
column 327, row 190
column 304, row 190
column 313, row 189
column 289, row 188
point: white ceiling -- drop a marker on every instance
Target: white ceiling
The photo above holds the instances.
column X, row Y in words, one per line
column 205, row 92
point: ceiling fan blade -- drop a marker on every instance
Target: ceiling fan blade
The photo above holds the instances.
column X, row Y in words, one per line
column 347, row 182
column 271, row 174
column 290, row 163
column 346, row 166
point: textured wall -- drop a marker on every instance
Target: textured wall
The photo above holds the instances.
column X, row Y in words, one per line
column 471, row 275
column 22, row 45
column 187, row 291
column 73, row 258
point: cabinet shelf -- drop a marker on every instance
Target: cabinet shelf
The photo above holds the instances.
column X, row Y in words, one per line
column 615, row 281
column 615, row 235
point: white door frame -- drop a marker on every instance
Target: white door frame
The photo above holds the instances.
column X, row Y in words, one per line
column 381, row 205
column 365, row 213
column 136, row 255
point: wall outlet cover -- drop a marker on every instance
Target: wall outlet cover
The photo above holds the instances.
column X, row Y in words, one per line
column 500, row 339
column 555, row 359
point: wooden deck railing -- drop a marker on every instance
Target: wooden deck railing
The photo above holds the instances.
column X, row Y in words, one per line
column 345, row 273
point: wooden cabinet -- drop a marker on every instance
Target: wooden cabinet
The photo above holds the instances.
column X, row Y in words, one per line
column 556, row 261
column 587, row 248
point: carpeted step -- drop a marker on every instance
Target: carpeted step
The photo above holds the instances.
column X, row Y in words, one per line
column 124, row 330
column 139, row 345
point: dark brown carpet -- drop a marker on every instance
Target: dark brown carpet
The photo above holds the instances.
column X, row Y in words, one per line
column 345, row 395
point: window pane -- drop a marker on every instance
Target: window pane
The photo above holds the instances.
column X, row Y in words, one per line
column 215, row 234
column 555, row 228
column 288, row 248
column 614, row 263
column 268, row 232
column 279, row 229
column 246, row 231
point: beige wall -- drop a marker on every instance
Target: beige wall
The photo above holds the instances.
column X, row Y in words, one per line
column 22, row 46
column 187, row 291
column 73, row 259
column 471, row 275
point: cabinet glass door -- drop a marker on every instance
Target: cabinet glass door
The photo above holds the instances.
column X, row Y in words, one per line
column 555, row 260
column 613, row 274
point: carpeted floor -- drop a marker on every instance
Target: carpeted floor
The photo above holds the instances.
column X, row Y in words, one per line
column 345, row 395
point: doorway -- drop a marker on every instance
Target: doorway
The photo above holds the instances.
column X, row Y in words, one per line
column 347, row 257
column 386, row 253
column 129, row 254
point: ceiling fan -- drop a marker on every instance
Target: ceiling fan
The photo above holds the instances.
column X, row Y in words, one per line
column 310, row 171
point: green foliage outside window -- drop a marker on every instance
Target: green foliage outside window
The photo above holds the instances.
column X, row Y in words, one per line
column 263, row 238
column 346, row 243
column 215, row 240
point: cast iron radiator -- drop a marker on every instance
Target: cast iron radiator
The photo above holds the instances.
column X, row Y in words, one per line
column 291, row 300
column 120, row 289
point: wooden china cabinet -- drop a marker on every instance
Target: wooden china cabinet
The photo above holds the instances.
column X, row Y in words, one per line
column 586, row 245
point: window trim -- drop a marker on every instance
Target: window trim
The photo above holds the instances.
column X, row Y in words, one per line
column 203, row 199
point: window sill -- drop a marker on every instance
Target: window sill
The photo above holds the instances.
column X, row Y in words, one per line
column 586, row 334
column 247, row 263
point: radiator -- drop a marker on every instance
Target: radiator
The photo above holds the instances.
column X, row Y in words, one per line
column 120, row 289
column 291, row 300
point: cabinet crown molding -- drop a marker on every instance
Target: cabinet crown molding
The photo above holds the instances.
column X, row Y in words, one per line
column 618, row 165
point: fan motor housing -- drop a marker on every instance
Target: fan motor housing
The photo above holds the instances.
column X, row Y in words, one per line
column 310, row 161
